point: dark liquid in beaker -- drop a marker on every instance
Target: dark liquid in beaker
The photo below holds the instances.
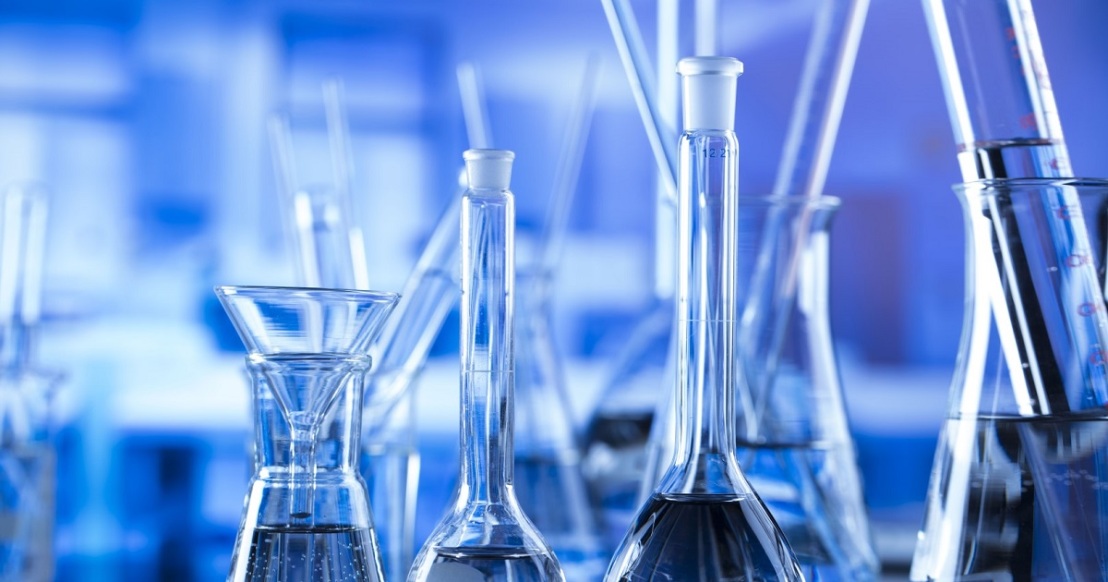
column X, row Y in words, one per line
column 491, row 564
column 310, row 553
column 615, row 458
column 1035, row 502
column 706, row 538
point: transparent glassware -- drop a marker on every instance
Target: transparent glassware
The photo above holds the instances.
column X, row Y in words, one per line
column 704, row 521
column 793, row 436
column 548, row 479
column 307, row 513
column 1019, row 485
column 485, row 535
column 390, row 457
column 28, row 456
column 28, row 474
column 618, row 430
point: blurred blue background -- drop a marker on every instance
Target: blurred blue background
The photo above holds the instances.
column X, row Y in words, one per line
column 146, row 119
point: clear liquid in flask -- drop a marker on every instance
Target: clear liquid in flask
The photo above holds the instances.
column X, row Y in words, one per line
column 310, row 553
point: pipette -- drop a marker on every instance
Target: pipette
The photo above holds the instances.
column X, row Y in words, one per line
column 432, row 288
column 625, row 32
column 342, row 164
column 22, row 247
column 568, row 170
column 474, row 111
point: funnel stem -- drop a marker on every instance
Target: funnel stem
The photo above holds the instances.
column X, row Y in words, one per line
column 302, row 471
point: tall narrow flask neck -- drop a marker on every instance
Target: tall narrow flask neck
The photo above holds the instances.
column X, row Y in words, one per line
column 488, row 278
column 707, row 368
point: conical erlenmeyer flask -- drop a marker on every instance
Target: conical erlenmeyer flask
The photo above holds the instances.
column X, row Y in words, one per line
column 1019, row 487
column 307, row 514
column 548, row 478
column 794, row 444
column 703, row 521
column 485, row 535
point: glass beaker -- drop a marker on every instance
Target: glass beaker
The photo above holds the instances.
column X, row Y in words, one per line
column 704, row 522
column 548, row 479
column 1019, row 485
column 793, row 438
column 307, row 514
column 485, row 535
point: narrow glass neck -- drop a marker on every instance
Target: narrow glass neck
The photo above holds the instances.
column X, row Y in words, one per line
column 488, row 278
column 707, row 303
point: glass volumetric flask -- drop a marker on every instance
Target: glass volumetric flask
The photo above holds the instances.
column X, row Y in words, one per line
column 704, row 521
column 793, row 439
column 307, row 513
column 1019, row 486
column 485, row 536
column 548, row 480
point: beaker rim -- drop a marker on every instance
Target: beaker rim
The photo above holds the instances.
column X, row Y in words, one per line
column 1030, row 183
column 361, row 296
column 823, row 201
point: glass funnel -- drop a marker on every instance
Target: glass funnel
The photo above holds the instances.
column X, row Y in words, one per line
column 485, row 536
column 307, row 514
column 548, row 479
column 793, row 438
column 704, row 521
column 1019, row 485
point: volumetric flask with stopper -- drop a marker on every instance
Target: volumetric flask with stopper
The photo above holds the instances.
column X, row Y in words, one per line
column 1019, row 488
column 794, row 442
column 485, row 535
column 307, row 514
column 548, row 478
column 704, row 522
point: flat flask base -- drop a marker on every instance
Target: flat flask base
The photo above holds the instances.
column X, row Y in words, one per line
column 704, row 538
column 492, row 564
column 334, row 553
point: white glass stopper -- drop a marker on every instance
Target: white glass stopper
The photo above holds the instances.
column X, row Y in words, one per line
column 491, row 169
column 709, row 91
